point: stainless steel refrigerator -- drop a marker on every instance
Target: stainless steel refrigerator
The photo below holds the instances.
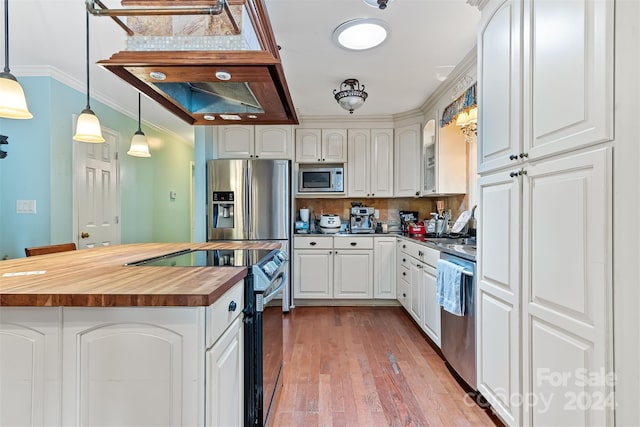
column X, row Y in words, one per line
column 250, row 200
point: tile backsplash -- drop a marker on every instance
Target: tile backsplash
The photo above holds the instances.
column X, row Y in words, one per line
column 389, row 208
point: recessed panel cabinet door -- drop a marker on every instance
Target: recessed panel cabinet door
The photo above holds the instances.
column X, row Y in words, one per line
column 406, row 167
column 273, row 142
column 381, row 168
column 308, row 145
column 334, row 145
column 313, row 273
column 568, row 75
column 235, row 142
column 567, row 290
column 133, row 366
column 358, row 167
column 29, row 366
column 498, row 294
column 353, row 274
column 499, row 52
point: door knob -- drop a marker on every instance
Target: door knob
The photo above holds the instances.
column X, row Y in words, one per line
column 84, row 235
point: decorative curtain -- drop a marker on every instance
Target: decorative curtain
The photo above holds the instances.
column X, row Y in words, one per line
column 463, row 103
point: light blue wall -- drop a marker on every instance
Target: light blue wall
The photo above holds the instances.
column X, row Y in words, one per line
column 40, row 167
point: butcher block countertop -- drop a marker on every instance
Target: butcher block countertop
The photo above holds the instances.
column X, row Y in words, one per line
column 98, row 277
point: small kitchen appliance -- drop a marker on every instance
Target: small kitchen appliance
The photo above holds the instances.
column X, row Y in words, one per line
column 302, row 225
column 321, row 179
column 362, row 220
column 329, row 223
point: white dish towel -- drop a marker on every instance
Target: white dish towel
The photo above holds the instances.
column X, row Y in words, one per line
column 450, row 289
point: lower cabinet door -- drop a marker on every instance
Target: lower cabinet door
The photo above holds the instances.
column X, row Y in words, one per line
column 133, row 366
column 29, row 366
column 431, row 318
column 225, row 379
column 313, row 273
column 353, row 274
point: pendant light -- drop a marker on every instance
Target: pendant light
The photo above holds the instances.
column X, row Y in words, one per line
column 88, row 125
column 139, row 146
column 13, row 104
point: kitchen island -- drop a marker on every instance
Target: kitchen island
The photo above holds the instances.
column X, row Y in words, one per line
column 87, row 340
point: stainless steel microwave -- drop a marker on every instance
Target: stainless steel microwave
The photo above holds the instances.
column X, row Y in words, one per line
column 320, row 179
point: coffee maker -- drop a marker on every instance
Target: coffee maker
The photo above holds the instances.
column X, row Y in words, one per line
column 362, row 220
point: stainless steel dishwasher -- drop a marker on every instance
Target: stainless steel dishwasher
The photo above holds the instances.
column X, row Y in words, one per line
column 458, row 333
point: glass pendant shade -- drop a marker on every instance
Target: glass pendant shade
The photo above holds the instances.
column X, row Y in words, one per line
column 88, row 128
column 13, row 104
column 351, row 102
column 139, row 146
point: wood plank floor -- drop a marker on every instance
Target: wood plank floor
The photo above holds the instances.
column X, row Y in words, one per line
column 366, row 366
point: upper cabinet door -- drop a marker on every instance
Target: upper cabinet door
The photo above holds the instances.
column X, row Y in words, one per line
column 568, row 75
column 334, row 145
column 235, row 142
column 358, row 167
column 499, row 50
column 308, row 146
column 273, row 142
column 381, row 163
column 429, row 157
column 406, row 180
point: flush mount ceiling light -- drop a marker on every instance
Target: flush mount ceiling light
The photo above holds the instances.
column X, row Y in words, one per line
column 361, row 33
column 223, row 75
column 351, row 95
column 380, row 4
column 157, row 75
column 139, row 145
column 13, row 104
column 88, row 125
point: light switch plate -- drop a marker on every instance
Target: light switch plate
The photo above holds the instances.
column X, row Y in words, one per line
column 26, row 206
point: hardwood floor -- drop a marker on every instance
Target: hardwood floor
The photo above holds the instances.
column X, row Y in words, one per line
column 366, row 366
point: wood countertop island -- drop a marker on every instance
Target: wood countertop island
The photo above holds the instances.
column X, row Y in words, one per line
column 98, row 277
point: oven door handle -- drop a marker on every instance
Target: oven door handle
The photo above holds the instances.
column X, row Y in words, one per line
column 281, row 278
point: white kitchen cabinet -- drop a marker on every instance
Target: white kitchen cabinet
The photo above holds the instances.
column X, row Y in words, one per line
column 132, row 366
column 384, row 267
column 571, row 47
column 444, row 159
column 370, row 165
column 534, row 294
column 431, row 308
column 416, row 303
column 567, row 291
column 321, row 145
column 498, row 295
column 353, row 274
column 224, row 381
column 246, row 141
column 29, row 366
column 406, row 161
column 313, row 267
column 499, row 85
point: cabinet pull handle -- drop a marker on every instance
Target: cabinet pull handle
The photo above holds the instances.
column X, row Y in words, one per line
column 232, row 306
column 404, row 246
column 372, row 194
column 312, row 243
column 513, row 157
column 420, row 253
column 353, row 243
column 522, row 172
column 335, row 252
column 417, row 193
column 404, row 273
column 330, row 252
column 419, row 265
column 522, row 155
column 323, row 160
column 318, row 159
column 404, row 260
column 404, row 295
column 513, row 174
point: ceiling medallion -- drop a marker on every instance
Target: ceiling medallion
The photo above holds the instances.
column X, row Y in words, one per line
column 351, row 95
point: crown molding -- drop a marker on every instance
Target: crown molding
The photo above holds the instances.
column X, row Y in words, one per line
column 80, row 86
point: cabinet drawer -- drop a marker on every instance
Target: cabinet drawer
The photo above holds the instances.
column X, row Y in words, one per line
column 219, row 315
column 420, row 252
column 403, row 260
column 350, row 242
column 313, row 242
column 404, row 273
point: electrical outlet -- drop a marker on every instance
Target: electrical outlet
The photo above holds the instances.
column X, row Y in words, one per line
column 376, row 213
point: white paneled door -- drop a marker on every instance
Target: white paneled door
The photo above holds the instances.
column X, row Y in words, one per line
column 97, row 196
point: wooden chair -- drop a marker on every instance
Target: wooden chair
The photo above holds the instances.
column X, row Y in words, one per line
column 49, row 249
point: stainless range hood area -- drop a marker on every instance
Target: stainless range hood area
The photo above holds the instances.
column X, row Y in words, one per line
column 207, row 70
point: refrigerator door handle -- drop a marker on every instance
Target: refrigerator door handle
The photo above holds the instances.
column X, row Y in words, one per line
column 247, row 200
column 249, row 205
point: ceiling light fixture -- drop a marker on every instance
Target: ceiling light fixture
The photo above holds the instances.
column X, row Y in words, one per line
column 157, row 75
column 361, row 33
column 223, row 75
column 13, row 104
column 351, row 95
column 380, row 4
column 88, row 125
column 139, row 145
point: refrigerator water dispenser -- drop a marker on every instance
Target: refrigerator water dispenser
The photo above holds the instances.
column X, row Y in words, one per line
column 223, row 209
